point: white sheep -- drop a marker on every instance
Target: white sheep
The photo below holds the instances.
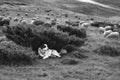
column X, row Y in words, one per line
column 86, row 25
column 26, row 14
column 101, row 29
column 16, row 19
column 46, row 52
column 81, row 22
column 108, row 27
column 107, row 32
column 113, row 35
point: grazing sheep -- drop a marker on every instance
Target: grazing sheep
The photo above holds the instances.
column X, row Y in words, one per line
column 16, row 19
column 31, row 22
column 101, row 29
column 45, row 52
column 108, row 27
column 81, row 22
column 86, row 25
column 107, row 32
column 113, row 35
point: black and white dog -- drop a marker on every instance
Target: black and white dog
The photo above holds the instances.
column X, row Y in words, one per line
column 45, row 52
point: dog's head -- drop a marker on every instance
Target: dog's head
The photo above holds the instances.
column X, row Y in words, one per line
column 44, row 47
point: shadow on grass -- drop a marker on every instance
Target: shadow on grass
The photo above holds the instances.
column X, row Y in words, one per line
column 69, row 62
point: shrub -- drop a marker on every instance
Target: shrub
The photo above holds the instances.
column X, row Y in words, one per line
column 101, row 24
column 38, row 22
column 81, row 33
column 4, row 22
column 34, row 36
column 12, row 54
column 108, row 50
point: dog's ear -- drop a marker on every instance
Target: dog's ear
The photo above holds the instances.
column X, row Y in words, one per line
column 43, row 46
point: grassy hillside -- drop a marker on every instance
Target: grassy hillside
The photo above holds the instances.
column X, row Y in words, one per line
column 89, row 9
column 97, row 59
column 74, row 5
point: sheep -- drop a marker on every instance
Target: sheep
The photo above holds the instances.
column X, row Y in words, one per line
column 26, row 14
column 101, row 29
column 81, row 22
column 113, row 35
column 86, row 25
column 108, row 27
column 16, row 19
column 45, row 52
column 31, row 22
column 107, row 32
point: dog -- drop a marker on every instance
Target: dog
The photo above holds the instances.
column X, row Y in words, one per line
column 45, row 52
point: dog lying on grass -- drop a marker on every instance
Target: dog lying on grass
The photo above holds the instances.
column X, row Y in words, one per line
column 45, row 52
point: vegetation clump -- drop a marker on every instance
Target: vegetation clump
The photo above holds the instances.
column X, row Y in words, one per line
column 108, row 51
column 35, row 36
column 12, row 54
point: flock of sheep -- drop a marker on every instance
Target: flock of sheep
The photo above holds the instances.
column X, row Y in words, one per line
column 108, row 32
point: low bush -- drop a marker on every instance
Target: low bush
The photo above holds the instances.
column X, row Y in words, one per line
column 4, row 22
column 81, row 33
column 101, row 24
column 13, row 55
column 38, row 22
column 108, row 50
column 35, row 36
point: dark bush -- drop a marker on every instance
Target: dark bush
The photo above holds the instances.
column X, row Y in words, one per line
column 12, row 54
column 101, row 24
column 4, row 22
column 34, row 36
column 81, row 33
column 108, row 50
column 38, row 22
